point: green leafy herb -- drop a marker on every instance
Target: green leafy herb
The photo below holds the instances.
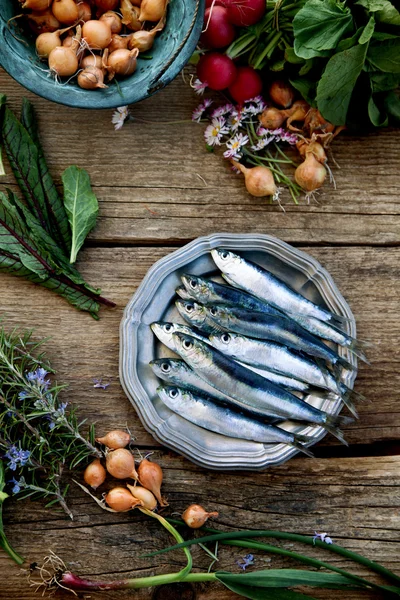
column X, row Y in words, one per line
column 81, row 206
column 337, row 83
column 36, row 240
column 319, row 26
column 385, row 57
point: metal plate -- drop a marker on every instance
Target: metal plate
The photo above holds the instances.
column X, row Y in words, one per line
column 154, row 300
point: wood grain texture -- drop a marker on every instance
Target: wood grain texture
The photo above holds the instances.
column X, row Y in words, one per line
column 156, row 181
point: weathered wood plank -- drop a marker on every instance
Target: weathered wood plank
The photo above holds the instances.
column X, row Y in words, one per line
column 157, row 182
column 83, row 349
column 355, row 500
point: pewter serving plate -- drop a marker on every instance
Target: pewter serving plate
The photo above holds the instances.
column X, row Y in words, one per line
column 154, row 301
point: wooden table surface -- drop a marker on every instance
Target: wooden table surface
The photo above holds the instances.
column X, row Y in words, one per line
column 158, row 189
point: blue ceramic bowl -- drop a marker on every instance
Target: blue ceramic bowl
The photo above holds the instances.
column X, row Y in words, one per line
column 171, row 51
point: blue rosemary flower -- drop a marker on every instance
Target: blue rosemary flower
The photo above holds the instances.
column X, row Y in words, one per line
column 323, row 537
column 17, row 485
column 23, row 395
column 58, row 415
column 38, row 377
column 98, row 384
column 17, row 456
column 246, row 561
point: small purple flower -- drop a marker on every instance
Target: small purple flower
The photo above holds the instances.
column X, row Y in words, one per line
column 323, row 537
column 98, row 384
column 17, row 485
column 200, row 110
column 23, row 395
column 246, row 561
column 254, row 106
column 235, row 145
column 222, row 111
column 199, row 86
column 16, row 456
column 38, row 377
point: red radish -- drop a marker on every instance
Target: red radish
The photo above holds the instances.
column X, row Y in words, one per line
column 247, row 84
column 216, row 70
column 245, row 12
column 219, row 32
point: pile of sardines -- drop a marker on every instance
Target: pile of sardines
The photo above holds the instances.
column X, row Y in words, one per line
column 254, row 350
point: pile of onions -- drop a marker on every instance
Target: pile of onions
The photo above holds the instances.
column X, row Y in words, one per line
column 93, row 41
column 120, row 464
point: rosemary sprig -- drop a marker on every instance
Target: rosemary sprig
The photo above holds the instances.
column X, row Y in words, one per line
column 39, row 438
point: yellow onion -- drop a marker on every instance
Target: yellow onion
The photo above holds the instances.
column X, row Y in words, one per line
column 84, row 11
column 46, row 42
column 311, row 174
column 118, row 42
column 96, row 34
column 63, row 61
column 152, row 10
column 91, row 78
column 116, row 438
column 195, row 516
column 120, row 463
column 281, row 93
column 36, row 4
column 93, row 60
column 143, row 40
column 95, row 474
column 66, row 11
column 121, row 500
column 298, row 113
column 42, row 21
column 151, row 476
column 130, row 15
column 145, row 496
column 273, row 118
column 113, row 20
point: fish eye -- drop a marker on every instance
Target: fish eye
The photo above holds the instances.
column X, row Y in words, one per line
column 165, row 368
column 189, row 308
column 187, row 344
column 193, row 284
column 224, row 254
column 168, row 327
column 174, row 393
column 225, row 337
column 213, row 311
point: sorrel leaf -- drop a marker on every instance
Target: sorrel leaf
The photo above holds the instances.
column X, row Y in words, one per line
column 55, row 209
column 337, row 83
column 81, row 206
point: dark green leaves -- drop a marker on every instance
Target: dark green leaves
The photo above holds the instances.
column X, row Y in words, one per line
column 261, row 594
column 35, row 238
column 319, row 26
column 283, row 578
column 337, row 83
column 385, row 57
column 81, row 206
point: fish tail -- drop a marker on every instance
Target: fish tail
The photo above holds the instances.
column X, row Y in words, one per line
column 338, row 321
column 357, row 348
column 350, row 405
column 302, row 448
column 333, row 423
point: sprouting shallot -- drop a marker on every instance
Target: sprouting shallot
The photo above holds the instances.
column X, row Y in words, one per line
column 122, row 62
column 152, row 10
column 116, row 438
column 151, row 476
column 144, row 495
column 96, row 34
column 120, row 463
column 91, row 78
column 65, row 11
column 259, row 181
column 195, row 516
column 113, row 20
column 121, row 500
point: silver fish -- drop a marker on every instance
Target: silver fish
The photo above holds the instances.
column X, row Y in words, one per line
column 208, row 292
column 251, row 391
column 164, row 331
column 205, row 412
column 261, row 283
column 183, row 293
column 275, row 328
column 197, row 316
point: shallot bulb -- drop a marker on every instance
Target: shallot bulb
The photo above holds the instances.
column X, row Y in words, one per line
column 195, row 516
column 63, row 61
column 91, row 78
column 36, row 4
column 259, row 181
column 145, row 496
column 298, row 113
column 84, row 11
column 113, row 20
column 95, row 474
column 116, row 438
column 281, row 93
column 152, row 10
column 144, row 40
column 273, row 118
column 66, row 11
column 43, row 21
column 122, row 62
column 46, row 42
column 120, row 463
column 151, row 476
column 315, row 123
column 121, row 500
column 94, row 60
column 118, row 42
column 130, row 15
column 105, row 5
column 96, row 34
column 311, row 174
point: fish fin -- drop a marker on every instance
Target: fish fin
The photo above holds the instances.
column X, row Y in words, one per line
column 357, row 348
column 302, row 448
column 304, row 439
column 338, row 321
column 346, row 364
column 333, row 422
column 350, row 405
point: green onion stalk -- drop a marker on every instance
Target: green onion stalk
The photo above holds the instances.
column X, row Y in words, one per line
column 4, row 543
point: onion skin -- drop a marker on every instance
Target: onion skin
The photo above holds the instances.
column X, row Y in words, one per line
column 122, row 62
column 311, row 174
column 152, row 10
column 315, row 123
column 118, row 42
column 84, row 11
column 91, row 78
column 63, row 61
column 298, row 113
column 195, row 516
column 120, row 463
column 144, row 496
column 93, row 60
column 106, row 5
column 96, row 34
column 95, row 474
column 121, row 500
column 116, row 438
column 130, row 15
column 113, row 20
column 43, row 22
column 66, row 11
column 272, row 118
column 142, row 40
column 36, row 4
column 259, row 180
column 46, row 42
column 151, row 476
column 281, row 93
